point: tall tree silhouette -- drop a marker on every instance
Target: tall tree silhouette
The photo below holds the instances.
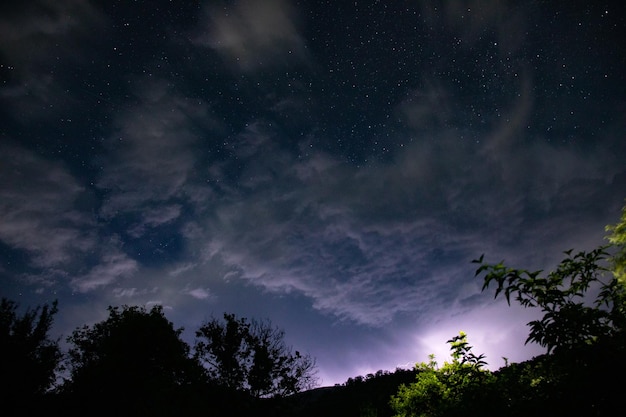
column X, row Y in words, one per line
column 251, row 356
column 132, row 362
column 28, row 357
column 583, row 328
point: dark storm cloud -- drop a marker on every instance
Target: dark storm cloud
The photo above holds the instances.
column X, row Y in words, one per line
column 368, row 243
column 364, row 244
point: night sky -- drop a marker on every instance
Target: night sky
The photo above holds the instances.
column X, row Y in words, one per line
column 333, row 167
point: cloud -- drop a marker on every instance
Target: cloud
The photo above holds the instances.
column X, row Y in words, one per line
column 112, row 267
column 151, row 157
column 152, row 303
column 366, row 245
column 27, row 33
column 153, row 217
column 134, row 293
column 39, row 208
column 35, row 34
column 42, row 211
column 125, row 292
column 304, row 232
column 395, row 238
column 254, row 34
column 199, row 293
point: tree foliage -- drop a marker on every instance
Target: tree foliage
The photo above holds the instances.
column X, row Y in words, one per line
column 583, row 328
column 132, row 356
column 580, row 300
column 617, row 238
column 572, row 314
column 251, row 356
column 28, row 356
column 450, row 390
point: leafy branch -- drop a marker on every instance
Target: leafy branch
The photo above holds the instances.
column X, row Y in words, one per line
column 563, row 296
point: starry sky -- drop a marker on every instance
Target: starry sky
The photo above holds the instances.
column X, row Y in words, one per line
column 332, row 166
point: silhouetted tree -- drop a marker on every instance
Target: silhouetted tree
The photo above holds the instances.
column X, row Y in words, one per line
column 583, row 327
column 134, row 362
column 251, row 356
column 369, row 397
column 28, row 357
column 572, row 316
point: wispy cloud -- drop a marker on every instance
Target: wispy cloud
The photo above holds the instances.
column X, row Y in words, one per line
column 199, row 293
column 27, row 35
column 151, row 157
column 153, row 217
column 254, row 34
column 32, row 36
column 38, row 208
column 112, row 267
column 336, row 234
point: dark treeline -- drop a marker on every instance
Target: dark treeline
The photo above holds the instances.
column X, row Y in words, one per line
column 135, row 363
column 360, row 396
